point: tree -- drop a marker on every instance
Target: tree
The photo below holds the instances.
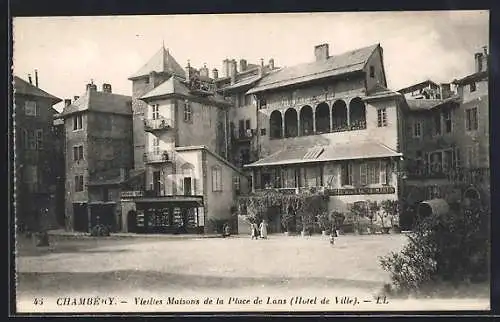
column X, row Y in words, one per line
column 359, row 211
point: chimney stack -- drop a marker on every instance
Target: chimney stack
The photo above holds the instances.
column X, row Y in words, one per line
column 188, row 71
column 215, row 73
column 67, row 102
column 36, row 77
column 29, row 78
column 321, row 52
column 243, row 65
column 225, row 68
column 106, row 88
column 478, row 57
column 91, row 86
column 204, row 71
column 233, row 70
column 445, row 90
column 271, row 64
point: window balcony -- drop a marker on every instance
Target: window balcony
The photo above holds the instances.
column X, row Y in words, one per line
column 159, row 124
column 244, row 136
column 159, row 156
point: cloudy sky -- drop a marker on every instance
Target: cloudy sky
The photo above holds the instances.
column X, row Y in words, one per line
column 69, row 51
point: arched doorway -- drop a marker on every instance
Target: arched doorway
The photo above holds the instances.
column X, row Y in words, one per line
column 291, row 123
column 357, row 114
column 306, row 120
column 322, row 118
column 339, row 116
column 276, row 125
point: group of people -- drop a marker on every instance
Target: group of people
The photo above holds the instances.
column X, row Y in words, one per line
column 257, row 231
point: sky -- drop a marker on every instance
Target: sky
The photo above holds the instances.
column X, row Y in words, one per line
column 70, row 51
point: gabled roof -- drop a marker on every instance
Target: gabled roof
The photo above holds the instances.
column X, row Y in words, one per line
column 411, row 88
column 25, row 88
column 93, row 100
column 346, row 63
column 336, row 152
column 161, row 62
column 429, row 104
column 175, row 87
column 470, row 78
column 379, row 91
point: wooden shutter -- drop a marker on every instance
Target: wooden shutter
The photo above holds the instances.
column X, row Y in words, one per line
column 383, row 172
column 363, row 173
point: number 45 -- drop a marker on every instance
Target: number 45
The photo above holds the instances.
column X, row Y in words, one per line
column 38, row 301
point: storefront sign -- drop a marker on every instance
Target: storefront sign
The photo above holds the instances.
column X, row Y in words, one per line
column 360, row 191
column 131, row 194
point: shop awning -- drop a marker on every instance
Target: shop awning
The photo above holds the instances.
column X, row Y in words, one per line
column 334, row 152
column 169, row 201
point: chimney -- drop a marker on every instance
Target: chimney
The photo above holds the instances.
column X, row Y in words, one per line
column 152, row 78
column 76, row 97
column 225, row 68
column 445, row 90
column 29, row 78
column 36, row 77
column 91, row 86
column 233, row 70
column 243, row 65
column 215, row 73
column 67, row 102
column 188, row 71
column 485, row 50
column 271, row 64
column 478, row 57
column 106, row 88
column 321, row 52
column 204, row 71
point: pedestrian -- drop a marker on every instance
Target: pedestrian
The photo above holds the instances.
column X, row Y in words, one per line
column 333, row 234
column 252, row 231
column 227, row 231
column 263, row 229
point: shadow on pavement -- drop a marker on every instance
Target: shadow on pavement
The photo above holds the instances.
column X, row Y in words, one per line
column 152, row 280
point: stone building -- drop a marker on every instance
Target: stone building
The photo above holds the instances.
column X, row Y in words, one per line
column 332, row 125
column 99, row 155
column 233, row 85
column 182, row 116
column 447, row 141
column 34, row 156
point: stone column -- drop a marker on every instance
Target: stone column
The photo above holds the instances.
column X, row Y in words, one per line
column 331, row 117
column 89, row 218
column 282, row 125
column 314, row 121
column 298, row 123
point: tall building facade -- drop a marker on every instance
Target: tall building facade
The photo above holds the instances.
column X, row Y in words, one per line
column 35, row 157
column 98, row 156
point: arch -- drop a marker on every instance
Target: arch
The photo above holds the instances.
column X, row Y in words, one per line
column 322, row 118
column 471, row 196
column 357, row 114
column 339, row 116
column 306, row 120
column 187, row 168
column 291, row 125
column 276, row 125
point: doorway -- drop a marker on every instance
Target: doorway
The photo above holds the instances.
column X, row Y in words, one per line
column 156, row 183
column 187, row 186
column 80, row 217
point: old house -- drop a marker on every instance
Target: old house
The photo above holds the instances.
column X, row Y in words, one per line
column 332, row 125
column 34, row 155
column 99, row 155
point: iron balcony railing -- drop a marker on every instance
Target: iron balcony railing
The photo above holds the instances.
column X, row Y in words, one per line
column 158, row 156
column 158, row 124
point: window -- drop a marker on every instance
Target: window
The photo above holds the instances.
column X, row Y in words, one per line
column 78, row 153
column 381, row 117
column 247, row 124
column 77, row 122
column 437, row 123
column 472, row 87
column 346, row 169
column 436, row 162
column 248, row 100
column 313, row 177
column 187, row 112
column 447, row 121
column 372, row 72
column 237, row 183
column 79, row 183
column 417, row 129
column 471, row 122
column 216, row 179
column 156, row 145
column 373, row 172
column 31, row 140
column 447, row 161
column 39, row 139
column 262, row 103
column 262, row 132
column 156, row 111
column 31, row 108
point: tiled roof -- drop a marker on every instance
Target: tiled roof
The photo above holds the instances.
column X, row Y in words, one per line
column 174, row 86
column 380, row 91
column 413, row 87
column 472, row 77
column 349, row 62
column 336, row 152
column 428, row 104
column 25, row 88
column 243, row 82
column 101, row 102
column 162, row 61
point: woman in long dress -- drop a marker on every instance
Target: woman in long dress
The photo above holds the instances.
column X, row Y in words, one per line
column 263, row 229
column 253, row 231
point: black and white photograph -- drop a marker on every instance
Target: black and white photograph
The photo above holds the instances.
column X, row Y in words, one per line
column 274, row 162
